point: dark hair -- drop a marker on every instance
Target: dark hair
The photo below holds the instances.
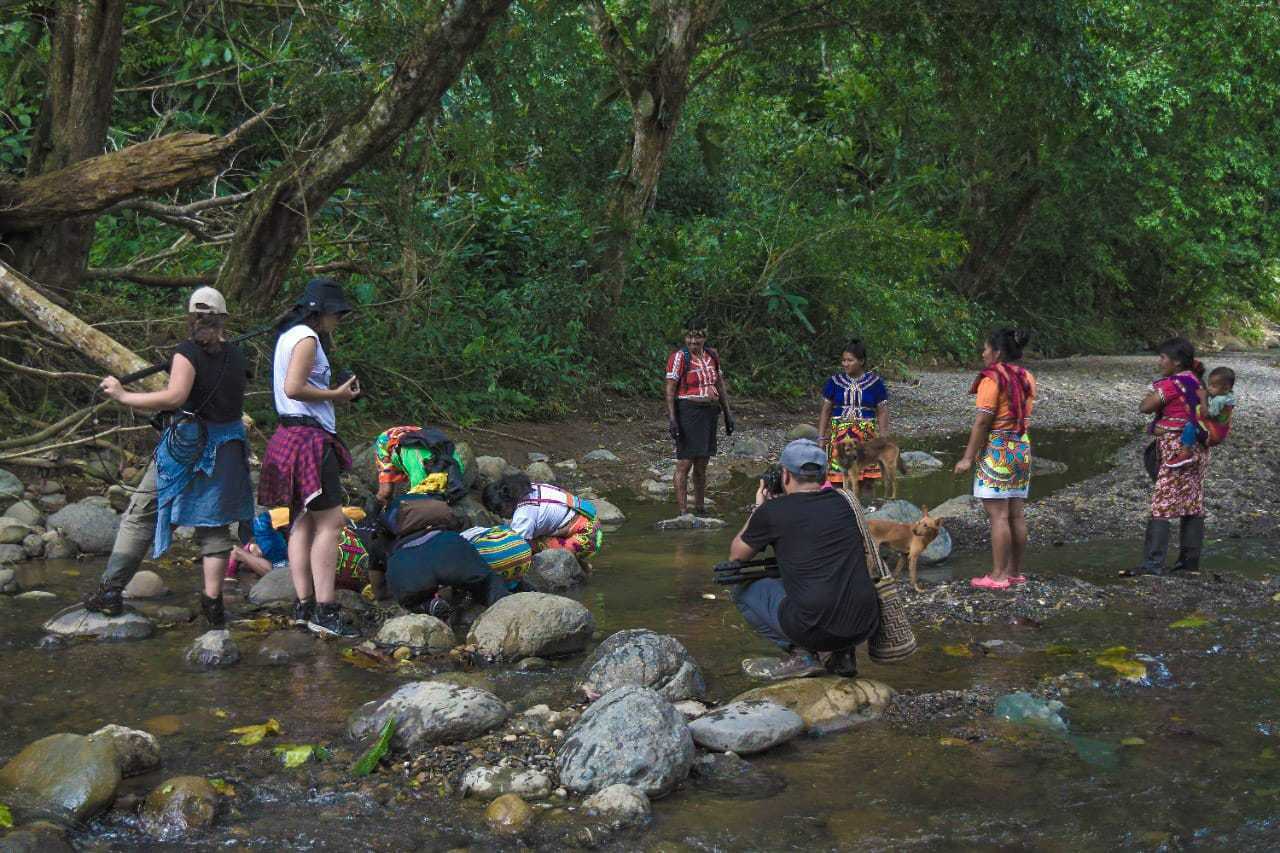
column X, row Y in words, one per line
column 1182, row 353
column 1226, row 374
column 500, row 497
column 206, row 330
column 857, row 349
column 1009, row 343
column 302, row 316
column 698, row 324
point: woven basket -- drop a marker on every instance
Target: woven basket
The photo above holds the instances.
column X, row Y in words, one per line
column 893, row 639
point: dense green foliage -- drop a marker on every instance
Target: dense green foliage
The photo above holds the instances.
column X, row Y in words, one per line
column 1104, row 172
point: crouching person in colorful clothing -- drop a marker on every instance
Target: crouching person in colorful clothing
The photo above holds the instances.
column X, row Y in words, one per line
column 410, row 456
column 545, row 516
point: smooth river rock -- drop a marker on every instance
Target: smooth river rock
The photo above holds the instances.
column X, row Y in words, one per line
column 918, row 460
column 746, row 727
column 179, row 806
column 532, row 624
column 274, row 587
column 137, row 752
column 26, row 512
column 428, row 712
column 417, row 631
column 554, row 570
column 540, row 472
column 213, row 650
column 689, row 521
column 600, row 455
column 629, row 736
column 642, row 658
column 69, row 776
column 621, row 805
column 13, row 531
column 81, row 623
column 10, row 486
column 828, row 703
column 490, row 782
column 608, row 513
column 508, row 814
column 88, row 524
column 146, row 584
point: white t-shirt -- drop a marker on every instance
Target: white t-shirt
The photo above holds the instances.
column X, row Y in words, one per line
column 549, row 514
column 321, row 410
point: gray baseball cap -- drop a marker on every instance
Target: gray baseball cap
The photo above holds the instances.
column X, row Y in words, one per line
column 804, row 456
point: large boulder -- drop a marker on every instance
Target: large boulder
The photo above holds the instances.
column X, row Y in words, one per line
column 417, row 631
column 145, row 584
column 642, row 658
column 81, row 623
column 532, row 624
column 428, row 712
column 274, row 587
column 490, row 782
column 26, row 512
column 746, row 727
column 630, row 736
column 179, row 806
column 607, row 513
column 89, row 524
column 473, row 513
column 748, row 447
column 213, row 650
column 908, row 513
column 540, row 472
column 13, row 531
column 10, row 486
column 137, row 751
column 829, row 703
column 69, row 776
column 554, row 570
column 621, row 805
column 490, row 469
column 961, row 506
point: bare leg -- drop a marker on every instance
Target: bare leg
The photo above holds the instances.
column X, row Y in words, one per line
column 682, row 484
column 324, row 552
column 998, row 512
column 215, row 569
column 1018, row 536
column 300, row 556
column 700, row 485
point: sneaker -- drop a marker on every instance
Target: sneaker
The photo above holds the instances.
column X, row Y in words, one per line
column 108, row 600
column 214, row 611
column 842, row 663
column 988, row 582
column 799, row 664
column 327, row 622
column 1181, row 458
column 303, row 611
column 439, row 608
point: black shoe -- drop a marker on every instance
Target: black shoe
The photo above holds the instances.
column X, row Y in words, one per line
column 842, row 663
column 439, row 608
column 327, row 622
column 303, row 611
column 1190, row 542
column 214, row 611
column 108, row 600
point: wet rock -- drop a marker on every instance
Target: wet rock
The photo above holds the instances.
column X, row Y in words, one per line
column 746, row 727
column 532, row 664
column 961, row 506
column 600, row 455
column 33, row 545
column 274, row 587
column 490, row 782
column 213, row 650
column 727, row 774
column 35, row 595
column 554, row 570
column 798, row 431
column 8, row 581
column 630, row 736
column 145, row 584
column 467, row 459
column 607, row 512
column 692, row 709
column 917, row 460
column 38, row 837
column 1042, row 466
column 81, row 623
column 58, row 547
column 137, row 752
column 53, row 503
column 178, row 807
column 69, row 776
column 655, row 489
column 10, row 485
column 474, row 514
column 536, row 456
column 165, row 613
column 428, row 712
column 508, row 814
column 12, row 554
column 828, row 703
column 748, row 447
column 26, row 512
column 621, row 805
column 88, row 524
column 689, row 521
column 642, row 658
column 417, row 631
column 531, row 624
column 50, row 487
column 119, row 497
column 540, row 472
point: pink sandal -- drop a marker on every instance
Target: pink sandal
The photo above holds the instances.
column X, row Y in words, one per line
column 988, row 582
column 1017, row 580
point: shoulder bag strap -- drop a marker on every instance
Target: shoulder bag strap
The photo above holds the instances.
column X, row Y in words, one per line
column 875, row 565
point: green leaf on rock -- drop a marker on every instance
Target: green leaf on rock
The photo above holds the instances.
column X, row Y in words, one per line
column 297, row 754
column 223, row 787
column 958, row 651
column 6, row 817
column 369, row 761
column 1193, row 621
column 1117, row 658
column 253, row 735
column 1132, row 741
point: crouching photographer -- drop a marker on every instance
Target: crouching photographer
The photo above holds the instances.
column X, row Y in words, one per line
column 823, row 601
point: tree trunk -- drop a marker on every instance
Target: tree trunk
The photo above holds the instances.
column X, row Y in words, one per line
column 73, row 122
column 276, row 221
column 984, row 267
column 103, row 350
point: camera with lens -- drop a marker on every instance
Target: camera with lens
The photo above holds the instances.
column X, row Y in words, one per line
column 772, row 481
column 341, row 377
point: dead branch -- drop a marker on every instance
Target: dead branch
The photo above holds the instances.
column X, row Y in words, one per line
column 92, row 439
column 70, row 422
column 46, row 374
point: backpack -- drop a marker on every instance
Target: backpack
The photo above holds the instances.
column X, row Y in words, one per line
column 582, row 506
column 688, row 358
column 441, row 461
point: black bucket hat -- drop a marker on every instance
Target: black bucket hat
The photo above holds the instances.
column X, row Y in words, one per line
column 324, row 295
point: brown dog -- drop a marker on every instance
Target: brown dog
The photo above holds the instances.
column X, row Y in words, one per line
column 909, row 540
column 853, row 456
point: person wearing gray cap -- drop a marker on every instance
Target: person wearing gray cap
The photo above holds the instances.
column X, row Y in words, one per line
column 824, row 601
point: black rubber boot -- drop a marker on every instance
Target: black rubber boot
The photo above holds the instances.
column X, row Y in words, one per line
column 214, row 611
column 842, row 663
column 108, row 600
column 1154, row 548
column 1190, row 541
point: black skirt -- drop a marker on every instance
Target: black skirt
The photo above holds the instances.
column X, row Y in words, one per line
column 698, row 425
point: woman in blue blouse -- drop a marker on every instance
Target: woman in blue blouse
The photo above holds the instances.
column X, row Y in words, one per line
column 855, row 403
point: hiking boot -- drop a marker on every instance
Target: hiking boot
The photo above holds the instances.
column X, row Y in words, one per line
column 108, row 600
column 842, row 663
column 799, row 664
column 303, row 610
column 1190, row 541
column 214, row 611
column 439, row 608
column 1184, row 456
column 1155, row 546
column 327, row 622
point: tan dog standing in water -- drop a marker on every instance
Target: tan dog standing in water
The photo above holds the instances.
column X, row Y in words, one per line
column 853, row 456
column 909, row 540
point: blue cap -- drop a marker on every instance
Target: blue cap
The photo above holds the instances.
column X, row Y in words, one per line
column 804, row 456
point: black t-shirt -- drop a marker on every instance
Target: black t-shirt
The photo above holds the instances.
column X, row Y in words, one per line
column 823, row 565
column 218, row 391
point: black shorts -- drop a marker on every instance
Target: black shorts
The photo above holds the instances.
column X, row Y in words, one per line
column 331, row 491
column 699, row 423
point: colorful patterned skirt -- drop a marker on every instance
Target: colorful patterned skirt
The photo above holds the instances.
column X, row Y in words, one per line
column 860, row 430
column 583, row 538
column 1004, row 468
column 504, row 550
column 1179, row 491
column 353, row 561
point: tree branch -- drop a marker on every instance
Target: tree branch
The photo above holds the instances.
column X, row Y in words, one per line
column 149, row 279
column 45, row 374
column 625, row 63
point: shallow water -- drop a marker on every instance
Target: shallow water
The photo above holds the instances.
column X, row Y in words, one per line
column 1207, row 773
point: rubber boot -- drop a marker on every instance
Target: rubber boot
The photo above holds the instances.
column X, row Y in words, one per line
column 1190, row 541
column 108, row 600
column 1154, row 548
column 214, row 611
